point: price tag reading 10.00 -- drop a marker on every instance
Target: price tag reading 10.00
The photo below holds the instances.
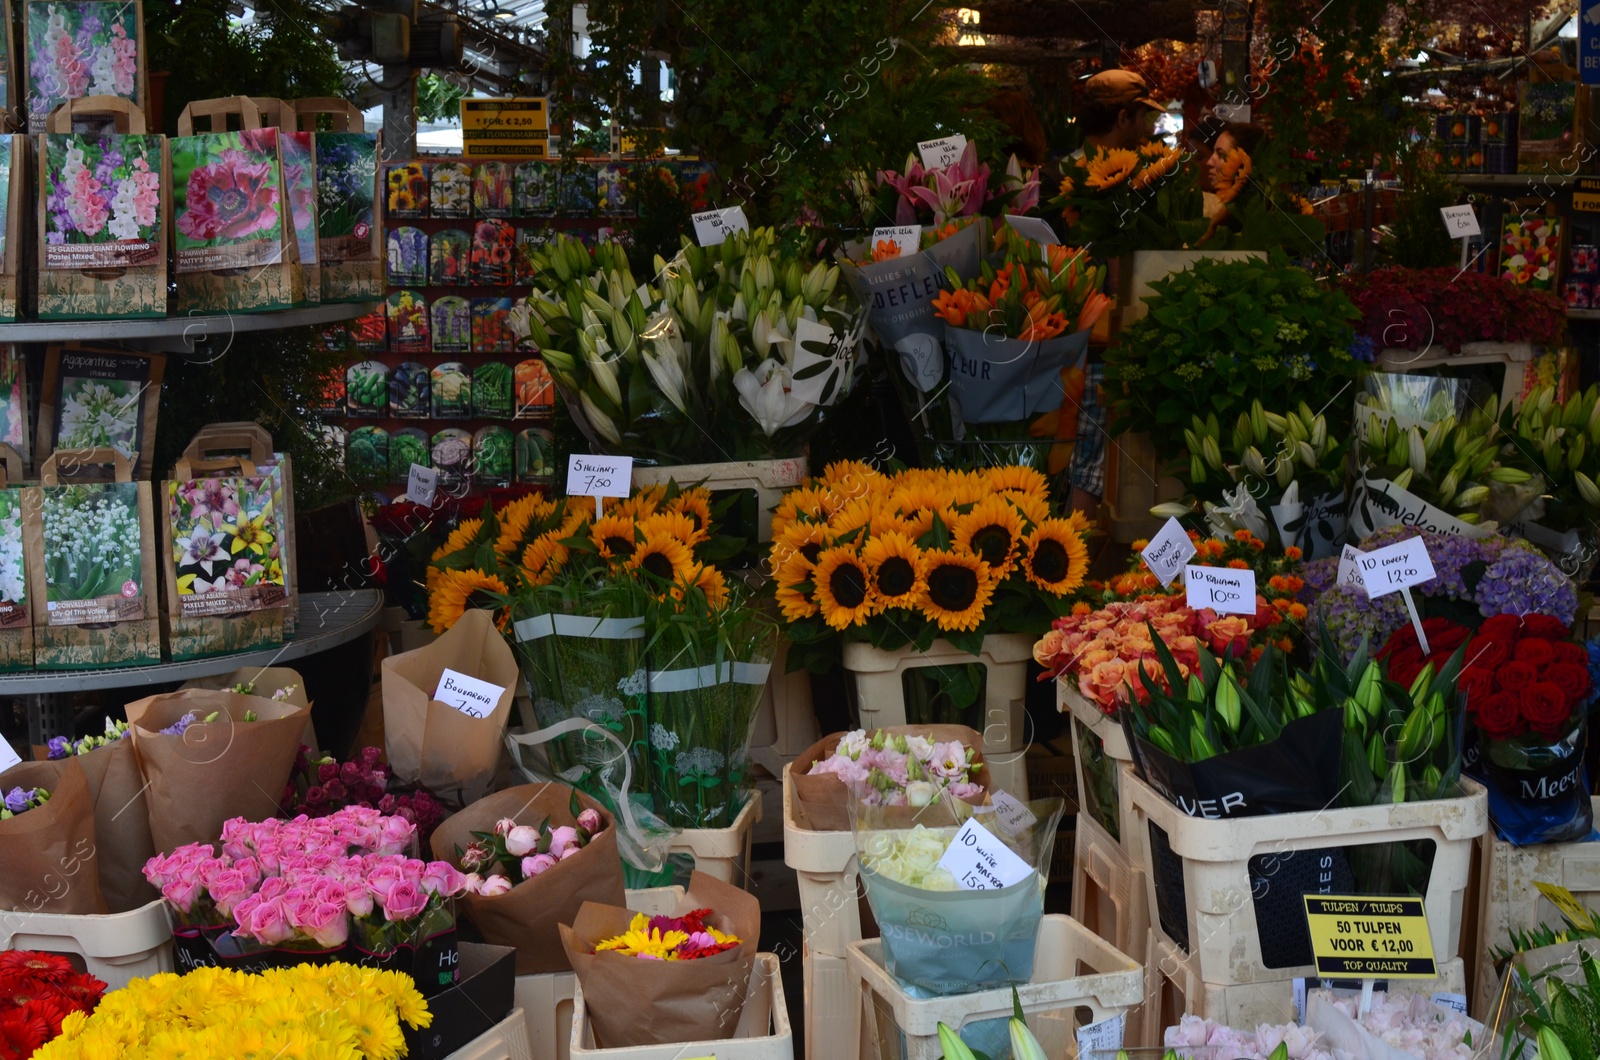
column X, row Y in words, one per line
column 1361, row 937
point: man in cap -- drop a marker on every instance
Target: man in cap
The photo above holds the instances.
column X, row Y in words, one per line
column 1117, row 111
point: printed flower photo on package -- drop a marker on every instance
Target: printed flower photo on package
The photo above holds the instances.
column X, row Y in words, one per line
column 491, row 325
column 450, row 185
column 492, row 184
column 226, row 200
column 534, row 190
column 575, row 192
column 78, row 49
column 225, row 544
column 300, row 183
column 14, row 400
column 13, row 584
column 452, row 325
column 92, row 540
column 100, row 402
column 448, row 253
column 408, row 322
column 347, row 168
column 407, row 250
column 493, row 242
column 102, row 205
column 407, row 184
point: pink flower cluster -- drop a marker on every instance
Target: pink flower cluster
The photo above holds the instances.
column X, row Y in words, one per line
column 1202, row 1039
column 305, row 878
column 900, row 770
column 538, row 848
column 1417, row 1027
column 324, row 786
column 957, row 190
column 235, row 197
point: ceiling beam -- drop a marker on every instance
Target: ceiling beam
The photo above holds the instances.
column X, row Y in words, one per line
column 1131, row 22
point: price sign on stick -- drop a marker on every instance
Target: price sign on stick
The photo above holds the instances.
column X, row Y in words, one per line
column 1168, row 551
column 1363, row 937
column 1396, row 568
column 1461, row 221
column 599, row 476
column 422, row 485
column 8, row 757
column 941, row 152
column 1350, row 567
column 1223, row 589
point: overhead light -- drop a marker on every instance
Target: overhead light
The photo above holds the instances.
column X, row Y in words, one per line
column 505, row 16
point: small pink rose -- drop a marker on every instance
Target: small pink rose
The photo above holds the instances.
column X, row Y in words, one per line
column 562, row 838
column 495, row 885
column 571, row 851
column 405, row 901
column 590, row 821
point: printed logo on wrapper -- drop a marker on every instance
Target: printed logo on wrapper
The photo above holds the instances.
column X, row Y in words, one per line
column 130, row 589
column 980, row 862
column 713, row 227
column 941, row 152
column 1223, row 589
column 1168, row 551
column 471, row 696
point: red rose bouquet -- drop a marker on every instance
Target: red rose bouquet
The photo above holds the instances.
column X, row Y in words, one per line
column 38, row 991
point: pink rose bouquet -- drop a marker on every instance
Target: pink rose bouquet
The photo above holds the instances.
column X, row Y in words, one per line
column 522, row 852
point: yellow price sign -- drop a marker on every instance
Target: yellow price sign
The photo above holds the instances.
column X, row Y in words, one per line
column 1567, row 902
column 505, row 127
column 1362, row 937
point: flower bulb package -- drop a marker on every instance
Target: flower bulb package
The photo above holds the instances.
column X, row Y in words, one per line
column 234, row 247
column 91, row 556
column 349, row 253
column 78, row 48
column 300, row 182
column 14, row 402
column 16, row 625
column 13, row 201
column 103, row 215
column 96, row 398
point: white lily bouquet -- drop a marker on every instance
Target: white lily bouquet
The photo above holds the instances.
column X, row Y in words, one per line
column 732, row 352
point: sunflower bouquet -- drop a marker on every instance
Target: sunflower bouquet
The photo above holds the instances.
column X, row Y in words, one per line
column 1258, row 211
column 1120, row 200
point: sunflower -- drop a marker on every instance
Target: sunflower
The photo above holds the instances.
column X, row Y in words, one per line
column 543, row 558
column 515, row 520
column 1156, row 149
column 852, row 478
column 1157, row 169
column 895, row 565
column 844, row 588
column 809, row 539
column 993, row 530
column 459, row 538
column 958, row 589
column 664, row 558
column 1234, row 175
column 1017, row 478
column 673, row 524
column 916, row 524
column 1080, row 523
column 1034, row 509
column 696, row 504
column 795, row 589
column 1056, row 557
column 615, row 536
column 1066, row 186
column 1110, row 168
column 914, row 496
column 458, row 590
column 801, row 504
column 853, row 516
column 644, row 502
column 709, row 580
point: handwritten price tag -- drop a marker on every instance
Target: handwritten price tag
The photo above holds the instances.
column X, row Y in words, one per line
column 1168, row 551
column 980, row 862
column 1395, row 567
column 1103, row 1037
column 1034, row 228
column 599, row 476
column 1350, row 566
column 904, row 237
column 8, row 756
column 941, row 152
column 422, row 485
column 468, row 694
column 712, row 227
column 1460, row 221
column 1223, row 589
column 1013, row 816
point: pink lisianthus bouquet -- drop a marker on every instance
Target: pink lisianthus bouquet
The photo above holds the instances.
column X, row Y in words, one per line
column 515, row 852
column 1196, row 1037
column 900, row 770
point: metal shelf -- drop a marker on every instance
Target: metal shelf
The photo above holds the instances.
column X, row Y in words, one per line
column 1531, row 181
column 190, row 336
column 1583, row 314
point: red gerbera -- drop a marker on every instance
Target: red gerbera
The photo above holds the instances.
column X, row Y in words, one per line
column 22, row 1033
column 49, row 967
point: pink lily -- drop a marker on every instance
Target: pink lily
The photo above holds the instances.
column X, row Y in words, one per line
column 905, row 206
column 1027, row 191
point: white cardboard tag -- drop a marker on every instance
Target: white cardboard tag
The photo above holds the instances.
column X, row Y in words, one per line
column 473, row 697
column 980, row 862
column 941, row 152
column 8, row 755
column 904, row 237
column 1350, row 567
column 1460, row 221
column 422, row 485
column 1168, row 551
column 1458, row 1002
column 1034, row 228
column 1395, row 567
column 1223, row 589
column 1103, row 1037
column 1011, row 814
column 712, row 227
column 599, row 476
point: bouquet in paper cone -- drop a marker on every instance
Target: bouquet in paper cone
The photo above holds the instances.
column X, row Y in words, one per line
column 47, row 833
column 122, row 823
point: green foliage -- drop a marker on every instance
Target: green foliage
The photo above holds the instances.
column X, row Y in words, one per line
column 1252, row 330
column 438, row 99
column 1420, row 241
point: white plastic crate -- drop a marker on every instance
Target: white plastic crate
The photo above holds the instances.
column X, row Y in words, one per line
column 1175, row 989
column 1072, row 969
column 116, row 948
column 506, row 1040
column 832, row 1009
column 1099, row 746
column 786, row 724
column 1508, row 899
column 716, row 850
column 1221, row 913
column 545, row 1000
column 1108, row 890
column 829, row 873
column 769, row 479
column 763, row 1032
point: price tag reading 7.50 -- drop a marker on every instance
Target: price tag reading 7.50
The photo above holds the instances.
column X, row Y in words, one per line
column 599, row 476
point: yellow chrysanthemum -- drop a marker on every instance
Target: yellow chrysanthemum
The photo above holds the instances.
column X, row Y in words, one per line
column 1109, row 168
column 458, row 590
column 1056, row 557
column 895, row 566
column 992, row 530
column 959, row 587
column 843, row 588
column 795, row 592
column 666, row 559
column 696, row 504
column 641, row 940
column 616, row 536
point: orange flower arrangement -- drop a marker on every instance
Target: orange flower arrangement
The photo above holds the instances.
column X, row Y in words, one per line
column 1039, row 293
column 1234, row 174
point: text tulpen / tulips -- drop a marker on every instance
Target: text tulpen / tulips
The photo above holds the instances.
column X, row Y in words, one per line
column 1040, row 292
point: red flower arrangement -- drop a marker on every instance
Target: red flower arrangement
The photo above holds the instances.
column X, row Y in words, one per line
column 1416, row 308
column 37, row 992
column 1520, row 674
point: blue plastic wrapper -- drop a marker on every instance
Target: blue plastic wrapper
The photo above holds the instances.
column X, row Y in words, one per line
column 1538, row 790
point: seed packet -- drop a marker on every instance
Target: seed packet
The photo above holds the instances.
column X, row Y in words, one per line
column 612, row 190
column 408, row 257
column 491, row 328
column 447, row 258
column 492, row 184
column 410, row 392
column 300, row 184
column 452, row 325
column 660, row 172
column 222, row 533
column 95, row 399
column 1530, row 252
column 450, row 184
column 694, row 184
column 492, row 244
column 407, row 183
column 225, row 201
column 13, row 585
column 366, row 387
column 347, row 166
column 77, row 49
column 535, row 455
column 367, row 451
column 370, row 334
column 408, row 322
column 452, row 391
column 452, row 457
column 14, row 402
column 336, row 338
column 93, row 554
column 329, row 398
column 535, row 190
column 575, row 191
column 536, row 391
column 407, row 446
column 493, row 456
column 491, row 390
column 529, row 240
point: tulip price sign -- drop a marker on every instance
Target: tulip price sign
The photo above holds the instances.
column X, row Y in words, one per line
column 1366, row 937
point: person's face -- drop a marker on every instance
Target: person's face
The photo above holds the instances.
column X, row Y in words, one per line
column 1203, row 153
column 1224, row 146
column 1135, row 127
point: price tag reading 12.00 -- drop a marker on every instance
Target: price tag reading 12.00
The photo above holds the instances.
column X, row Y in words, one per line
column 1360, row 937
column 599, row 476
column 1395, row 567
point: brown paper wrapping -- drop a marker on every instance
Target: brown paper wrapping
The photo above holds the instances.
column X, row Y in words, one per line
column 632, row 1002
column 265, row 680
column 49, row 852
column 452, row 755
column 823, row 804
column 121, row 824
column 528, row 915
column 213, row 772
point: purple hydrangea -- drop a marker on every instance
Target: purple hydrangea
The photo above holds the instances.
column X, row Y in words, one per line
column 1349, row 615
column 1523, row 581
column 1318, row 576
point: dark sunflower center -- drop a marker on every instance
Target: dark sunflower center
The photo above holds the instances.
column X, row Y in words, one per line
column 1050, row 561
column 896, row 576
column 480, row 598
column 658, row 565
column 952, row 587
column 619, row 546
column 993, row 543
column 848, row 585
column 811, row 551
